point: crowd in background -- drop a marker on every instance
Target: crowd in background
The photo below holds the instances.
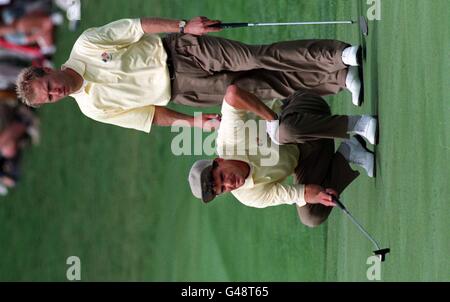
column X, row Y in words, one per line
column 27, row 31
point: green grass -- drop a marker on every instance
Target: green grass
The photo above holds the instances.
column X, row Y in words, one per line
column 119, row 199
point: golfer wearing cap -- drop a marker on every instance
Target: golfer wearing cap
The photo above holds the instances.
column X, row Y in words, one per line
column 305, row 130
column 124, row 74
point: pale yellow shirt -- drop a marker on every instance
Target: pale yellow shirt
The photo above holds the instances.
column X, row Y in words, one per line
column 125, row 72
column 264, row 186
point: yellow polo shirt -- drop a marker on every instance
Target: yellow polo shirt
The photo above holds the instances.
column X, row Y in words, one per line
column 125, row 74
column 265, row 184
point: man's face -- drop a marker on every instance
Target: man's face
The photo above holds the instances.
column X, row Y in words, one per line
column 228, row 175
column 50, row 88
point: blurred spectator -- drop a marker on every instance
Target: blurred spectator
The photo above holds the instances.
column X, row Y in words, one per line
column 7, row 95
column 19, row 127
column 18, row 8
column 10, row 67
column 33, row 28
column 26, row 38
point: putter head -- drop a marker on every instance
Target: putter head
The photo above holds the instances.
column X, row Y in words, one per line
column 382, row 253
column 363, row 26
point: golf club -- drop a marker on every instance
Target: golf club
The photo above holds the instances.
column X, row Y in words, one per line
column 381, row 253
column 362, row 24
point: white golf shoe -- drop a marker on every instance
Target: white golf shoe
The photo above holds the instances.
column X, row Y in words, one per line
column 366, row 126
column 350, row 55
column 355, row 153
column 353, row 84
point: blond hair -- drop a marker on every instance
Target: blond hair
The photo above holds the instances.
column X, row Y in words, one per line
column 23, row 84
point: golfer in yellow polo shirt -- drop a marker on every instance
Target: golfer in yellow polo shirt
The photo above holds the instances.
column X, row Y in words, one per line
column 255, row 172
column 117, row 75
column 124, row 74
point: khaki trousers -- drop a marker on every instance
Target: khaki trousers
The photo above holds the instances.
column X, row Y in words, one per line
column 305, row 117
column 307, row 121
column 204, row 66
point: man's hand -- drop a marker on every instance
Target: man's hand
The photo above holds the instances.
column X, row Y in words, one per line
column 210, row 122
column 316, row 194
column 200, row 25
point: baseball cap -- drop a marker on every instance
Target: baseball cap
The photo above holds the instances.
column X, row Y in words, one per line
column 201, row 180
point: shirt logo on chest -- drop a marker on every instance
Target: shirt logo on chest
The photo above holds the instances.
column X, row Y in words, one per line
column 106, row 57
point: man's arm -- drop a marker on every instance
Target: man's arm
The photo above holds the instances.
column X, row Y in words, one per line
column 244, row 100
column 127, row 31
column 277, row 194
column 196, row 26
column 167, row 117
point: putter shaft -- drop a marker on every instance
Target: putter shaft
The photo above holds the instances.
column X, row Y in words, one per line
column 361, row 229
column 355, row 222
column 246, row 24
column 299, row 23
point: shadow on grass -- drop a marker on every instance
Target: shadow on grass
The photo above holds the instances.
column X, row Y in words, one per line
column 371, row 76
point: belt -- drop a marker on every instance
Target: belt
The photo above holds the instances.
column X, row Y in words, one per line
column 169, row 61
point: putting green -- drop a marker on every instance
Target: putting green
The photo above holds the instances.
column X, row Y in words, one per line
column 119, row 200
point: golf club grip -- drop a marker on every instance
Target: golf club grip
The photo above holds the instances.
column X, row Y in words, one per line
column 229, row 25
column 338, row 203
